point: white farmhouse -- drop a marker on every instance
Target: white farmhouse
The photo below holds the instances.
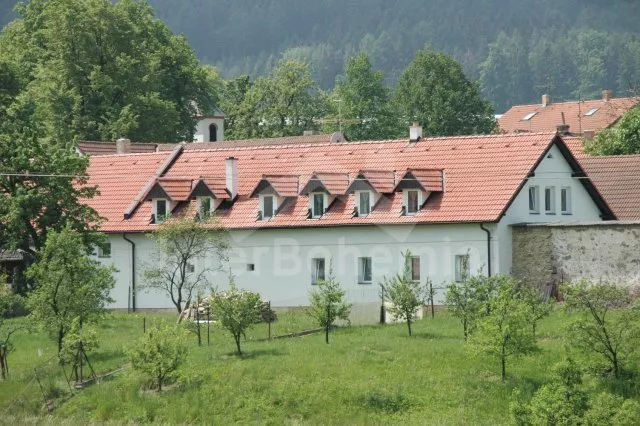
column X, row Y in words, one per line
column 295, row 211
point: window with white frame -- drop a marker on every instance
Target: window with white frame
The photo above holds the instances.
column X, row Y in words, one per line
column 318, row 205
column 534, row 204
column 462, row 267
column 205, row 207
column 412, row 201
column 267, row 206
column 364, row 270
column 565, row 200
column 550, row 200
column 318, row 272
column 414, row 268
column 161, row 210
column 104, row 250
column 364, row 203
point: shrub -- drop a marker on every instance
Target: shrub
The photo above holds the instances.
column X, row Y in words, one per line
column 328, row 304
column 159, row 353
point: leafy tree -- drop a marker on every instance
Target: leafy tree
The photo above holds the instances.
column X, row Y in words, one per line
column 505, row 331
column 239, row 108
column 621, row 139
column 607, row 325
column 405, row 294
column 360, row 102
column 471, row 299
column 434, row 91
column 236, row 310
column 288, row 100
column 538, row 308
column 70, row 285
column 180, row 243
column 159, row 353
column 328, row 304
column 561, row 402
column 98, row 70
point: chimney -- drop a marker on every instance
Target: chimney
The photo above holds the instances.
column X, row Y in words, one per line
column 123, row 146
column 607, row 95
column 589, row 135
column 232, row 176
column 546, row 100
column 562, row 129
column 415, row 132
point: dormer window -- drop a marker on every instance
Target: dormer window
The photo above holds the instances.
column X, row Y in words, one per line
column 267, row 207
column 205, row 207
column 160, row 210
column 364, row 203
column 412, row 201
column 318, row 205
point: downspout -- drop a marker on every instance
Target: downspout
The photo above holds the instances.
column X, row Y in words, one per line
column 488, row 248
column 133, row 271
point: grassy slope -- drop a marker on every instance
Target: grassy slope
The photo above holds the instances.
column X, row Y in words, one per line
column 367, row 375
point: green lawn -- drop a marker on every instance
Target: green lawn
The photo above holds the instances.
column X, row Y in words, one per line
column 366, row 375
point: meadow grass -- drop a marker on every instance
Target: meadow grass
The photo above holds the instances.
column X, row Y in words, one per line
column 366, row 375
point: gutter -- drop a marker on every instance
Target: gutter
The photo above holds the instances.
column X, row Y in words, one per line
column 488, row 248
column 133, row 270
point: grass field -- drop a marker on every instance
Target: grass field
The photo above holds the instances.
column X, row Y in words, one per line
column 366, row 375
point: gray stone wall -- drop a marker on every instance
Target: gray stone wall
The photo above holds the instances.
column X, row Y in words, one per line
column 607, row 251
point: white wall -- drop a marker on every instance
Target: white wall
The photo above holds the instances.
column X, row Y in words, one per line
column 202, row 129
column 554, row 171
column 282, row 259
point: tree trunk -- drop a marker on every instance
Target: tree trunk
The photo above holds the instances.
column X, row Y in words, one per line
column 160, row 383
column 464, row 326
column 60, row 338
column 326, row 334
column 534, row 331
column 237, row 337
column 504, row 366
column 409, row 325
column 616, row 366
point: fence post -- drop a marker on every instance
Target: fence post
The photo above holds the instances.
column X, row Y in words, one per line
column 208, row 325
column 129, row 300
column 144, row 325
column 198, row 320
column 269, row 319
column 431, row 294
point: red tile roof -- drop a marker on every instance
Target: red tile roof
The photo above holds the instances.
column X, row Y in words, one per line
column 334, row 183
column 107, row 148
column 547, row 118
column 482, row 175
column 430, row 180
column 177, row 189
column 283, row 185
column 382, row 181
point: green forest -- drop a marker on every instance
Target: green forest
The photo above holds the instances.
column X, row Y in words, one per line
column 517, row 50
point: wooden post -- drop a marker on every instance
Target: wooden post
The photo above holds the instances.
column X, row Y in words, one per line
column 198, row 320
column 208, row 326
column 269, row 319
column 431, row 294
column 129, row 301
column 144, row 325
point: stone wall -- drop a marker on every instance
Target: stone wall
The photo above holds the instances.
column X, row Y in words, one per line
column 553, row 253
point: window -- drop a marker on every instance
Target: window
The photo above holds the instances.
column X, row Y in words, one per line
column 191, row 268
column 318, row 205
column 318, row 271
column 412, row 202
column 205, row 207
column 104, row 250
column 267, row 206
column 251, row 267
column 565, row 200
column 365, row 203
column 549, row 200
column 533, row 200
column 414, row 266
column 161, row 211
column 529, row 116
column 213, row 133
column 364, row 270
column 591, row 112
column 463, row 267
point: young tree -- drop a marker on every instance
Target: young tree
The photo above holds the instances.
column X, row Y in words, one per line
column 405, row 294
column 471, row 299
column 69, row 285
column 608, row 325
column 8, row 302
column 328, row 304
column 236, row 311
column 98, row 70
column 538, row 306
column 621, row 139
column 505, row 331
column 159, row 353
column 361, row 101
column 434, row 91
column 180, row 243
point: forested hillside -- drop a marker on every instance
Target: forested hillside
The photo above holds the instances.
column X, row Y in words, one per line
column 517, row 48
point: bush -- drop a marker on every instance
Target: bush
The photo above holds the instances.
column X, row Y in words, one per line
column 159, row 353
column 328, row 304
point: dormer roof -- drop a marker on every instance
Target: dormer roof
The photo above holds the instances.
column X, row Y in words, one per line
column 382, row 181
column 428, row 180
column 280, row 185
column 334, row 184
column 210, row 187
column 172, row 189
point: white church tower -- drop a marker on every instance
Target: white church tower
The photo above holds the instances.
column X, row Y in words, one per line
column 210, row 128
